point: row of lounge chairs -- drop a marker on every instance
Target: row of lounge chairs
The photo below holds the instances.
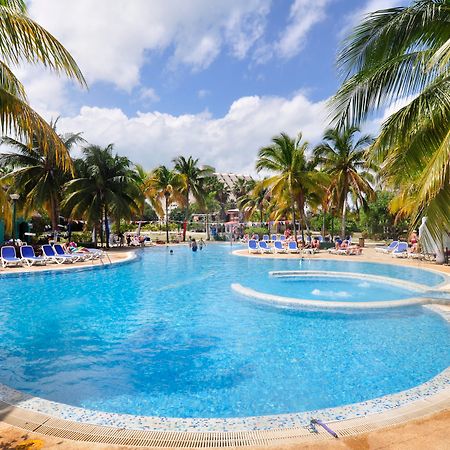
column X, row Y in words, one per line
column 263, row 247
column 398, row 249
column 280, row 237
column 50, row 254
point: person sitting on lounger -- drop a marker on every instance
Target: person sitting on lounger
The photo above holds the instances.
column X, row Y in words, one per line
column 354, row 249
column 315, row 244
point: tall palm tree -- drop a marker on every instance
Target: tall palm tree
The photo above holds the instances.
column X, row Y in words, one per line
column 22, row 39
column 343, row 157
column 403, row 55
column 255, row 200
column 193, row 182
column 167, row 185
column 106, row 185
column 38, row 176
column 295, row 176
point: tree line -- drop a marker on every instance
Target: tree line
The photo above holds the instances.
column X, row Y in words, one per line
column 397, row 54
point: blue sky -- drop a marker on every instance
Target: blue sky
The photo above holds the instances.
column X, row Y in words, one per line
column 212, row 78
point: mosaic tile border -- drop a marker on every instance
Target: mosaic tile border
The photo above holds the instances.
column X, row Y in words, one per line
column 397, row 262
column 427, row 295
column 434, row 390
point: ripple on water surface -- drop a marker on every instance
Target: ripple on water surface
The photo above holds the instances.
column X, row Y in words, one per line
column 166, row 336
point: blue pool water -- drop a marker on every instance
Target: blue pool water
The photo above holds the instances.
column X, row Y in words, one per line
column 166, row 336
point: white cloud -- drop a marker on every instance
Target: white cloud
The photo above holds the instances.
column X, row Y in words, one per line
column 111, row 39
column 303, row 15
column 230, row 143
column 358, row 15
column 149, row 94
column 202, row 93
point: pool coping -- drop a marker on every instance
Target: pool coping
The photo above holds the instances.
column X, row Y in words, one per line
column 300, row 303
column 361, row 259
column 52, row 418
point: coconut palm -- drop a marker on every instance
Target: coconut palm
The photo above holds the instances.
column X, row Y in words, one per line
column 106, row 186
column 166, row 185
column 402, row 55
column 193, row 182
column 23, row 40
column 343, row 157
column 295, row 176
column 255, row 200
column 38, row 176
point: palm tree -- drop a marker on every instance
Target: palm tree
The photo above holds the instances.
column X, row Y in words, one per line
column 38, row 176
column 166, row 184
column 255, row 200
column 193, row 178
column 22, row 39
column 403, row 54
column 295, row 176
column 106, row 185
column 344, row 159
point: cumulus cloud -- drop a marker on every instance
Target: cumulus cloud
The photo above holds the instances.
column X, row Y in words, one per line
column 370, row 6
column 229, row 143
column 148, row 94
column 112, row 39
column 303, row 15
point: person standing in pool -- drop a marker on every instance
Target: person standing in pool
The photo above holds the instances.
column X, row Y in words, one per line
column 194, row 245
column 201, row 243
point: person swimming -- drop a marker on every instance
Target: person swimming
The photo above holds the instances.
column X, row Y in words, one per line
column 194, row 245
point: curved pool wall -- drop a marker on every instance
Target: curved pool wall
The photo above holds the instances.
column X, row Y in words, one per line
column 441, row 380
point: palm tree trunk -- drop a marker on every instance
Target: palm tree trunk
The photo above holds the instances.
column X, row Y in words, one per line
column 54, row 215
column 344, row 211
column 293, row 217
column 323, row 223
column 167, row 220
column 106, row 227
column 186, row 216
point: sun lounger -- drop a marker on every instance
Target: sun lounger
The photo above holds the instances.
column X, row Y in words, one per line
column 292, row 247
column 29, row 257
column 253, row 246
column 8, row 256
column 387, row 249
column 264, row 248
column 273, row 238
column 282, row 238
column 265, row 237
column 51, row 256
column 60, row 252
column 278, row 247
column 401, row 251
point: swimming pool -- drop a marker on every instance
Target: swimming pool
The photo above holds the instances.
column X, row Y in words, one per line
column 166, row 336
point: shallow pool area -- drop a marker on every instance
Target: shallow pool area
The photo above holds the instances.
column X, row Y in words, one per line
column 167, row 336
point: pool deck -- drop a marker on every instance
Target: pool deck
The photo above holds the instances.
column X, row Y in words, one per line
column 421, row 423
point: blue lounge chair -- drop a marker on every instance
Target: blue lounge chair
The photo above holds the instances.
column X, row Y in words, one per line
column 387, row 248
column 8, row 256
column 292, row 247
column 253, row 246
column 273, row 238
column 282, row 237
column 264, row 248
column 265, row 237
column 60, row 252
column 401, row 251
column 29, row 257
column 51, row 256
column 278, row 247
